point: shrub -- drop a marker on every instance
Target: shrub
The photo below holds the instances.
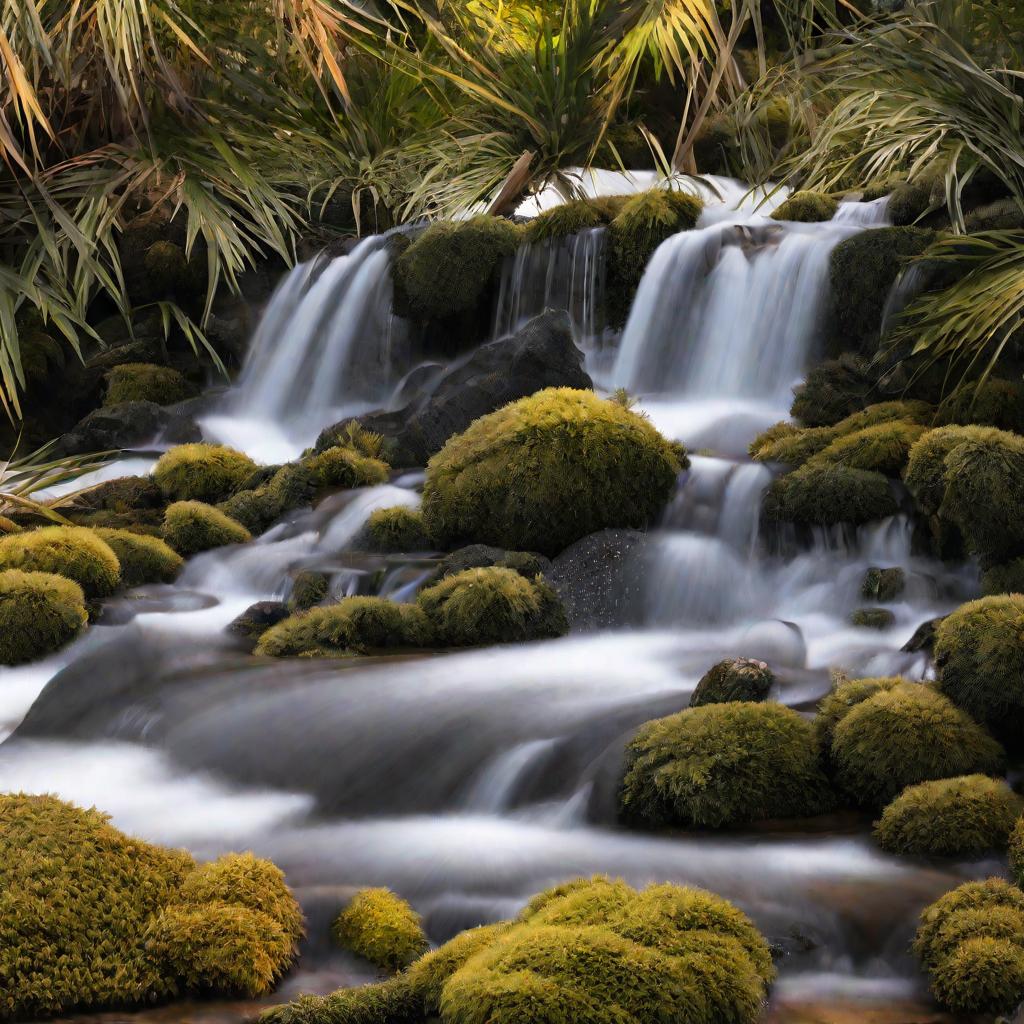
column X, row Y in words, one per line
column 883, row 584
column 925, row 474
column 833, row 389
column 547, row 470
column 883, row 447
column 844, row 695
column 732, row 680
column 39, row 612
column 345, row 467
column 823, row 495
column 982, row 975
column 448, row 268
column 493, row 605
column 71, row 551
column 566, row 219
column 995, row 403
column 967, row 816
column 806, row 207
column 723, row 764
column 904, row 735
column 872, row 618
column 309, row 588
column 382, row 928
column 201, row 472
column 980, row 660
column 193, row 526
column 397, row 529
column 146, row 382
column 143, row 559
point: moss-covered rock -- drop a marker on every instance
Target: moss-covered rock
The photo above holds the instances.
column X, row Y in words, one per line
column 872, row 618
column 724, row 764
column 286, row 488
column 908, row 201
column 382, row 928
column 833, row 390
column 981, row 975
column 39, row 613
column 309, row 588
column 345, row 467
column 146, row 382
column 71, row 551
column 193, row 526
column 1016, row 844
column 882, row 448
column 925, row 473
column 960, row 817
column 567, row 219
column 547, row 470
column 143, row 559
column 907, row 734
column 824, row 495
column 1007, row 578
column 743, row 679
column 806, row 207
column 883, row 584
column 491, row 606
column 769, row 437
column 844, row 695
column 996, row 403
column 166, row 267
column 397, row 529
column 790, row 447
column 201, row 472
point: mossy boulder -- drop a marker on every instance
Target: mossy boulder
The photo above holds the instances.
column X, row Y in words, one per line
column 908, row 201
column 925, row 472
column 995, row 403
column 882, row 448
column 146, row 382
column 907, row 734
column 822, row 495
column 309, row 588
column 744, row 679
column 397, row 529
column 39, row 613
column 71, row 551
column 1016, row 844
column 266, row 497
column 193, row 526
column 345, row 467
column 883, row 584
column 202, row 472
column 1007, row 578
column 770, row 436
column 833, row 390
column 790, row 447
column 872, row 618
column 806, row 207
column 547, row 470
column 492, row 605
column 143, row 559
column 166, row 267
column 722, row 765
column 567, row 219
column 381, row 927
column 844, row 695
column 967, row 816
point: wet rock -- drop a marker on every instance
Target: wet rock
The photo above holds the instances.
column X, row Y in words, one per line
column 883, row 584
column 872, row 618
column 257, row 619
column 734, row 679
column 127, row 425
column 477, row 556
column 776, row 642
column 923, row 638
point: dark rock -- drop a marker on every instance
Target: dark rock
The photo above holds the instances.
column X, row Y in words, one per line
column 257, row 619
column 476, row 556
column 127, row 425
column 883, row 584
column 733, row 679
column 600, row 579
column 872, row 618
column 923, row 638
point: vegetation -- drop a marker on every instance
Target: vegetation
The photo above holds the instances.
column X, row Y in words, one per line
column 397, row 529
column 193, row 526
column 993, row 403
column 883, row 584
column 806, row 207
column 925, row 473
column 872, row 618
column 823, row 495
column 742, row 679
column 202, row 472
column 845, row 695
column 39, row 613
column 382, row 928
column 833, row 390
column 143, row 559
column 146, row 382
column 71, row 551
column 308, row 588
column 882, row 448
column 345, row 467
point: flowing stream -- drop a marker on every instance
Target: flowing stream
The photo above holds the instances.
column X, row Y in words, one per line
column 468, row 781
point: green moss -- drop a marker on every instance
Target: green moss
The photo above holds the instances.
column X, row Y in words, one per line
column 547, row 470
column 146, row 382
column 345, row 467
column 724, row 764
column 960, row 817
column 905, row 735
column 731, row 680
column 143, row 559
column 792, row 448
column 201, row 472
column 71, row 551
column 1016, row 843
column 122, row 494
column 882, row 448
column 165, row 267
column 996, row 403
column 1003, row 579
column 845, row 695
column 925, row 474
column 394, row 1001
column 872, row 618
column 908, row 201
column 449, row 267
column 909, row 410
column 883, row 584
column 288, row 487
column 193, row 526
column 382, row 928
column 776, row 432
column 430, row 972
column 491, row 606
column 566, row 219
column 397, row 529
column 806, row 207
column 309, row 588
column 823, row 495
column 982, row 975
column 832, row 390
column 39, row 613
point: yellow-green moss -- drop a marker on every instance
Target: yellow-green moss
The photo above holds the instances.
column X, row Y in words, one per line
column 542, row 472
column 397, row 529
column 146, row 382
column 143, row 559
column 833, row 390
column 996, row 403
column 793, row 447
column 824, row 495
column 71, row 551
column 982, row 975
column 309, row 588
column 381, row 927
column 566, row 219
column 345, row 467
column 882, row 448
column 193, row 526
column 430, row 972
column 202, row 472
column 39, row 612
column 776, row 432
column 806, row 207
column 844, row 695
column 925, row 473
column 394, row 1001
column 1016, row 843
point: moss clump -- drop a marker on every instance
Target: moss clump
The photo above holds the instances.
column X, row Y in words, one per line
column 146, row 382
column 996, row 403
column 824, row 495
column 980, row 659
column 833, row 390
column 792, row 448
column 345, row 467
column 845, row 695
column 1016, row 843
column 71, row 551
column 309, row 588
column 732, row 680
column 908, row 201
column 193, row 526
column 201, row 472
column 882, row 448
column 1003, row 579
column 449, row 267
column 967, row 816
column 776, row 432
column 429, row 974
column 566, row 219
column 394, row 1001
column 925, row 473
column 382, row 928
column 724, row 764
column 905, row 735
column 908, row 410
column 806, row 207
column 143, row 559
column 39, row 612
column 981, row 975
column 883, row 584
column 491, row 606
column 165, row 267
column 547, row 470
column 257, row 507
column 872, row 618
column 397, row 529
column 352, row 626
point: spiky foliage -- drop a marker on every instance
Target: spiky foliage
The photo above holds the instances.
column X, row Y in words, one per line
column 193, row 526
column 724, row 764
column 71, row 551
column 542, row 472
column 823, row 495
column 39, row 612
column 146, row 382
column 397, row 529
column 202, row 472
column 143, row 559
column 381, row 927
column 806, row 207
column 882, row 448
column 925, row 473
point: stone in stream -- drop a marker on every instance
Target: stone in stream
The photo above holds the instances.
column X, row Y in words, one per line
column 257, row 619
column 776, row 642
column 127, row 425
column 883, row 584
column 734, row 679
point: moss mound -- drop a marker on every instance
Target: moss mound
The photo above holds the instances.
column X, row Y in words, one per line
column 449, row 267
column 806, row 207
column 981, row 975
column 345, row 467
column 872, row 618
column 883, row 448
column 146, row 382
column 71, row 551
column 724, row 764
column 394, row 1001
column 492, row 605
column 39, row 613
column 1016, row 843
column 429, row 974
column 193, row 526
column 925, row 474
column 382, row 928
column 792, row 448
column 743, row 679
column 824, row 495
column 397, row 529
column 845, row 695
column 833, row 390
column 202, row 472
column 567, row 219
column 143, row 559
column 309, row 588
column 904, row 735
column 996, row 403
column 547, row 470
column 883, row 584
column 776, row 432
column 1003, row 579
column 288, row 487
